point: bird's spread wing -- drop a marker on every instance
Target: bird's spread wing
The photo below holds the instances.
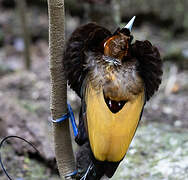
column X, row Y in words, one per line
column 85, row 38
column 150, row 65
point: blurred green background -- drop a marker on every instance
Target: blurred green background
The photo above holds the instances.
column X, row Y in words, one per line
column 159, row 150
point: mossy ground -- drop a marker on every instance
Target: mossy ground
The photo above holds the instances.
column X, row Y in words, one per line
column 21, row 167
column 158, row 152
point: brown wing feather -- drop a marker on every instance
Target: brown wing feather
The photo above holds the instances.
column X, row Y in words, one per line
column 85, row 38
column 150, row 65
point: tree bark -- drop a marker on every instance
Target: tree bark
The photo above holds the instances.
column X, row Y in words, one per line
column 62, row 139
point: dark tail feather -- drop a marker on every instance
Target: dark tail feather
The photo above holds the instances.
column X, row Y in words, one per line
column 86, row 167
column 91, row 169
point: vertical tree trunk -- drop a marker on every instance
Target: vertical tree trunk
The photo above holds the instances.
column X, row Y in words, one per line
column 62, row 139
column 21, row 7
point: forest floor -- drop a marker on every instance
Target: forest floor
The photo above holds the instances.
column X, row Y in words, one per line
column 159, row 151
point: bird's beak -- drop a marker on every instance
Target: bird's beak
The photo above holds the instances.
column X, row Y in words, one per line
column 130, row 24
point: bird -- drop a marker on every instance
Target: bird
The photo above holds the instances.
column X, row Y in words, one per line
column 114, row 77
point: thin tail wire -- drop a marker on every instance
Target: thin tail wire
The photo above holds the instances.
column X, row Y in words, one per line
column 1, row 144
column 85, row 175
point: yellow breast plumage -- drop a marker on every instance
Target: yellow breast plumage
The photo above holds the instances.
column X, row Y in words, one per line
column 110, row 134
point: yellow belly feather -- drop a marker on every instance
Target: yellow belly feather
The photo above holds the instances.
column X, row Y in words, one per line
column 110, row 134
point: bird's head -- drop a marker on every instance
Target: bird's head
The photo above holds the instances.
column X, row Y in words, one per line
column 117, row 45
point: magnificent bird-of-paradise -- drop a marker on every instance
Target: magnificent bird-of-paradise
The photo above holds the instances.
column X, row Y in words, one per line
column 114, row 78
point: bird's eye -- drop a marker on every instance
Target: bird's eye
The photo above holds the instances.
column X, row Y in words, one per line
column 123, row 48
column 130, row 39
